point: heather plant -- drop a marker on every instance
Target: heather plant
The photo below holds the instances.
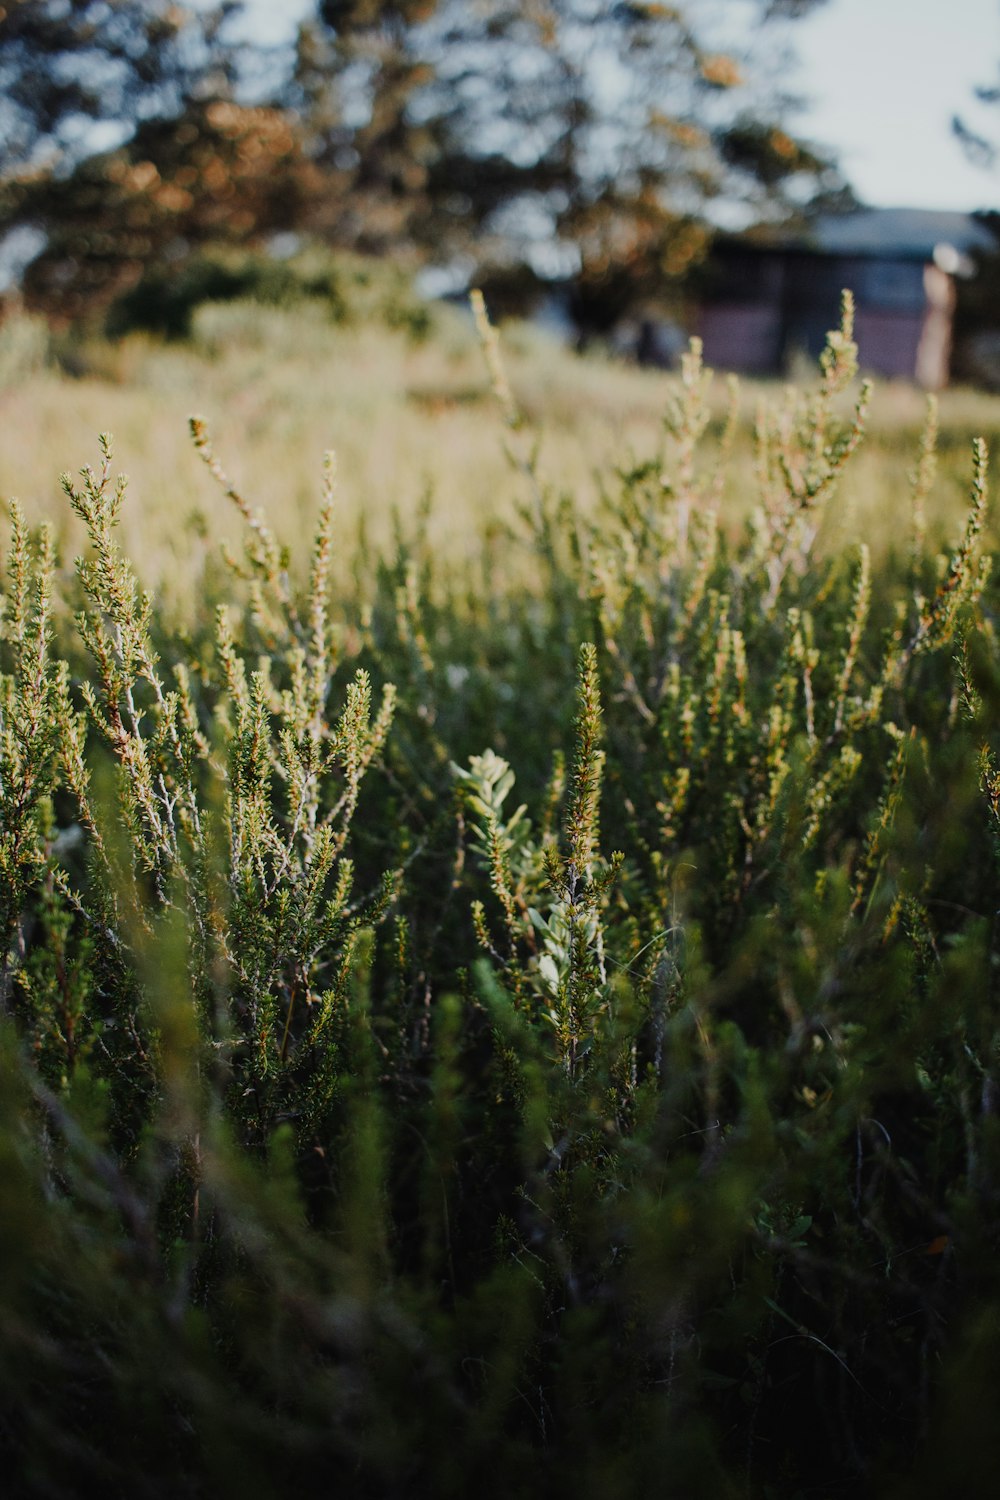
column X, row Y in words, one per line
column 535, row 1039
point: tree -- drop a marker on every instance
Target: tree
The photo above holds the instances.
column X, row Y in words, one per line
column 188, row 163
column 981, row 149
column 533, row 139
column 977, row 320
column 67, row 66
column 360, row 73
column 219, row 173
column 590, row 137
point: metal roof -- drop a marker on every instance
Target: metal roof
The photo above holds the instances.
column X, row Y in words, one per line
column 909, row 232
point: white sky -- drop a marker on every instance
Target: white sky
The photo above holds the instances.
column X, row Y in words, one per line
column 884, row 78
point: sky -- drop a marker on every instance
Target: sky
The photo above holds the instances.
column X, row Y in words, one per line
column 884, row 78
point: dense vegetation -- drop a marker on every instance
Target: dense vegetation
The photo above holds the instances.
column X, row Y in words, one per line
column 567, row 139
column 529, row 1039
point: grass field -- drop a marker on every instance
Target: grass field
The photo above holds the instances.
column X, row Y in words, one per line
column 409, row 421
column 508, row 1003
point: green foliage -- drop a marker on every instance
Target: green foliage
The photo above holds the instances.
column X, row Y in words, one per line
column 618, row 176
column 366, row 1121
column 386, row 127
column 343, row 288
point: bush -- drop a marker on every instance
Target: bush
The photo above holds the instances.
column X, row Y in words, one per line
column 538, row 1043
column 344, row 287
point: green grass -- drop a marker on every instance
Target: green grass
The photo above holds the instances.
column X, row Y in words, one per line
column 507, row 1002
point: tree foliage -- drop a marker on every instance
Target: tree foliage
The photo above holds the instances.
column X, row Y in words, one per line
column 537, row 138
column 219, row 172
column 981, row 149
column 65, row 67
column 567, row 134
column 977, row 328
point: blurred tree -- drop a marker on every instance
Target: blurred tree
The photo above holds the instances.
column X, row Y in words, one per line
column 981, row 150
column 977, row 321
column 361, row 68
column 582, row 137
column 188, row 163
column 218, row 173
column 68, row 65
column 585, row 140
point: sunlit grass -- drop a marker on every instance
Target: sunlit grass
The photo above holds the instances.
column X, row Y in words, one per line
column 410, row 422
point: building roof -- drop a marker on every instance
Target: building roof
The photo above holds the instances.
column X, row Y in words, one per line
column 917, row 233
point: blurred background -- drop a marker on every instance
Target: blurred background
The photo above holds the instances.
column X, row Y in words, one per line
column 623, row 173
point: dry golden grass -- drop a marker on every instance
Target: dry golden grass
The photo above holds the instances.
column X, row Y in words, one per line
column 406, row 420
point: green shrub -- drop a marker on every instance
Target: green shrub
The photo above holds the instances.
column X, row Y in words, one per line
column 536, row 1042
column 344, row 287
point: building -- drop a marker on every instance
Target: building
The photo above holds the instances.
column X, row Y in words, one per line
column 767, row 302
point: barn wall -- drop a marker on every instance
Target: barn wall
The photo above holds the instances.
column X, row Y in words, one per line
column 742, row 336
column 888, row 341
column 768, row 307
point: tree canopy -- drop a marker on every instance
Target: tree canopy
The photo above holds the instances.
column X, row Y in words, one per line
column 66, row 65
column 978, row 312
column 978, row 142
column 589, row 139
column 578, row 133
